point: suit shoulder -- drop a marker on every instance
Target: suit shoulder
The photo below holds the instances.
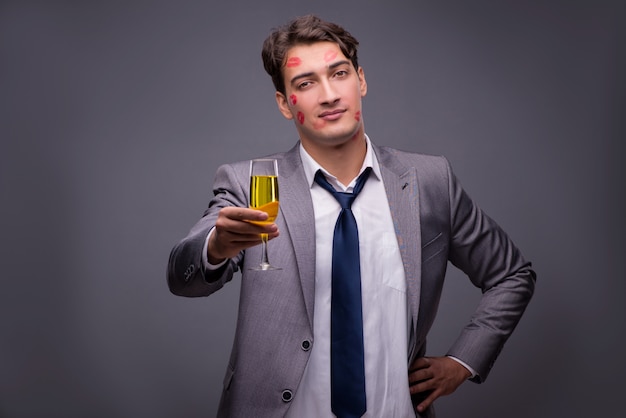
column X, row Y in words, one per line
column 420, row 161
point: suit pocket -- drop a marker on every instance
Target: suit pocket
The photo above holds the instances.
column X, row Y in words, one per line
column 433, row 247
column 389, row 251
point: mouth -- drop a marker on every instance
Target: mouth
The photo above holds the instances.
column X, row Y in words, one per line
column 332, row 114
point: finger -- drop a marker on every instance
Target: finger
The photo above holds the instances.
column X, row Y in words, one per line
column 420, row 376
column 242, row 241
column 251, row 237
column 273, row 235
column 422, row 385
column 227, row 244
column 243, row 214
column 420, row 363
column 428, row 401
column 420, row 371
column 241, row 228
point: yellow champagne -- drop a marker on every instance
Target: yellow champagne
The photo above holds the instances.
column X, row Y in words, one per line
column 264, row 195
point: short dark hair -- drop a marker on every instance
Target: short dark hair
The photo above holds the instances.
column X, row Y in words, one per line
column 303, row 30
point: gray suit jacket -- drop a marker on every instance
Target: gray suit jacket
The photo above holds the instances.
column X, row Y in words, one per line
column 435, row 222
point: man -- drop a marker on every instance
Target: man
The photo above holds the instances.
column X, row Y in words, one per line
column 412, row 218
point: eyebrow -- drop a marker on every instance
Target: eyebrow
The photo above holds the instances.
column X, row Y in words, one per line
column 330, row 67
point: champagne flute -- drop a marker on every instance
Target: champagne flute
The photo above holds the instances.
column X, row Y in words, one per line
column 264, row 196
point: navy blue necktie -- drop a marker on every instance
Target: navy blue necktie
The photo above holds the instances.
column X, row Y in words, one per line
column 347, row 360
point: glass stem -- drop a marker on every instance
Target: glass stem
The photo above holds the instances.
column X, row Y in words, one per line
column 265, row 262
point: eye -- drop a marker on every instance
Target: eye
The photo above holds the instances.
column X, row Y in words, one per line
column 303, row 85
column 341, row 73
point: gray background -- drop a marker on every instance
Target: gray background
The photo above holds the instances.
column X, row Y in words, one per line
column 115, row 115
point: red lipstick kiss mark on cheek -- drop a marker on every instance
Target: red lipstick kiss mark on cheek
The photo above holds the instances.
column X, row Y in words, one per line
column 300, row 117
column 293, row 62
column 357, row 116
column 319, row 124
column 294, row 99
column 330, row 55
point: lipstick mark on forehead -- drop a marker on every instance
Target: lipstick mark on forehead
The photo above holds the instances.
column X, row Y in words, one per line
column 294, row 99
column 330, row 55
column 293, row 62
column 300, row 117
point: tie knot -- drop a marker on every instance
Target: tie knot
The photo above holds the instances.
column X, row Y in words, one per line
column 345, row 199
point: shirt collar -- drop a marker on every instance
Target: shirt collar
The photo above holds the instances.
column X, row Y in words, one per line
column 311, row 166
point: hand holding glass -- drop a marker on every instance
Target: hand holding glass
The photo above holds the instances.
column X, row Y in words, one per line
column 264, row 197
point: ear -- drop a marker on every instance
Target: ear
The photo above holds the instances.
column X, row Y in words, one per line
column 362, row 82
column 283, row 105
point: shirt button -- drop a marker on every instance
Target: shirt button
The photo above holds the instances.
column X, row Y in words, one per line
column 287, row 395
column 306, row 345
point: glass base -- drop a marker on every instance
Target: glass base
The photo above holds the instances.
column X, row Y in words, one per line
column 265, row 267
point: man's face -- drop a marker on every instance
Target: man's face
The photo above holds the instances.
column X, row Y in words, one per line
column 323, row 94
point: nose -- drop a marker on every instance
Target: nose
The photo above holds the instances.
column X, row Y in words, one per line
column 328, row 95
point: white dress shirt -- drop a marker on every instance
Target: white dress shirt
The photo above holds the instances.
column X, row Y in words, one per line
column 383, row 287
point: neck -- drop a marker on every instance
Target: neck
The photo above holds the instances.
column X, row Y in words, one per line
column 342, row 161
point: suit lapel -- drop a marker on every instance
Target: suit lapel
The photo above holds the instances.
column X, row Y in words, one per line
column 403, row 195
column 297, row 209
column 402, row 190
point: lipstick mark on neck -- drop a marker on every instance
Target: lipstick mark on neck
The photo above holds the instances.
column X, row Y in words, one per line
column 357, row 134
column 357, row 116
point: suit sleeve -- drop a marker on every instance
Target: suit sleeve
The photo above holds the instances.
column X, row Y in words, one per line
column 186, row 275
column 483, row 251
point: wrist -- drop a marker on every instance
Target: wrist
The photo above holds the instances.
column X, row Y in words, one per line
column 208, row 253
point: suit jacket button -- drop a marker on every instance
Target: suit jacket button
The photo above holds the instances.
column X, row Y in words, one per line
column 306, row 345
column 287, row 395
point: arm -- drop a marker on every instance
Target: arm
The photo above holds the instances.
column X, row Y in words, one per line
column 481, row 249
column 228, row 216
